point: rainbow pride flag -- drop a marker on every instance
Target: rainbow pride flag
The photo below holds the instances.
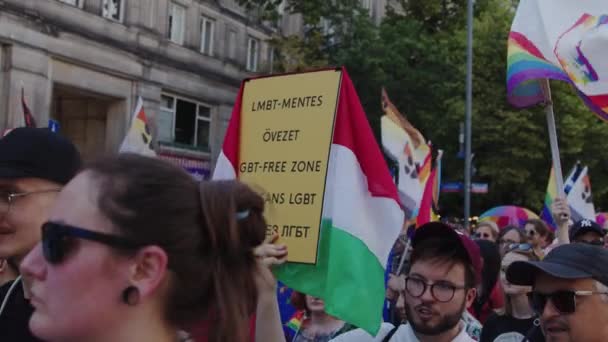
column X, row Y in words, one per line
column 550, row 196
column 561, row 40
column 295, row 322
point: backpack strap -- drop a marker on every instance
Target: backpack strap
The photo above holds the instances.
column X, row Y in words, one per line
column 390, row 334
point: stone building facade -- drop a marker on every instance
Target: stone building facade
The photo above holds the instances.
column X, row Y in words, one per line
column 83, row 63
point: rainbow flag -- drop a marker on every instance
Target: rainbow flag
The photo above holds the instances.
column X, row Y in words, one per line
column 550, row 196
column 562, row 40
column 295, row 322
column 404, row 144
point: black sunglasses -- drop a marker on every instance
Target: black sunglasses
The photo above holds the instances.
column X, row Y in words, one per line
column 592, row 242
column 563, row 301
column 56, row 242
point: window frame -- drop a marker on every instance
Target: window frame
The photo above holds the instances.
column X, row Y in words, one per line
column 79, row 3
column 256, row 56
column 171, row 22
column 205, row 19
column 121, row 17
column 197, row 117
column 232, row 44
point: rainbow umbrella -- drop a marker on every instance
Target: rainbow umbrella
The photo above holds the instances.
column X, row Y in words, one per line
column 601, row 219
column 508, row 215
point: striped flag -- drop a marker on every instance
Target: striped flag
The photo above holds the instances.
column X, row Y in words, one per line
column 139, row 138
column 407, row 146
column 580, row 199
column 28, row 118
column 550, row 196
column 361, row 217
column 546, row 214
column 562, row 40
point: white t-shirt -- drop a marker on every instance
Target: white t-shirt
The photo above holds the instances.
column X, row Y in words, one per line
column 405, row 333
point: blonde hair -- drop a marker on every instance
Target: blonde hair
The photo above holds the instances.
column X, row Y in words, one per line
column 493, row 227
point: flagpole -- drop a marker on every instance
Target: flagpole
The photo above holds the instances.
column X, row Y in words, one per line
column 468, row 110
column 557, row 165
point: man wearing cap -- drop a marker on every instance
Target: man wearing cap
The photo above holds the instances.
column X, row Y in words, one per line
column 587, row 231
column 570, row 291
column 445, row 269
column 34, row 164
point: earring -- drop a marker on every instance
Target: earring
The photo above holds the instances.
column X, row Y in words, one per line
column 130, row 296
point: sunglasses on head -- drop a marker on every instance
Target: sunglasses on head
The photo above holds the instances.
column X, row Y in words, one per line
column 563, row 301
column 521, row 247
column 57, row 240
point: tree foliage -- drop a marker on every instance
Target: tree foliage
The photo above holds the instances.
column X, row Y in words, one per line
column 418, row 54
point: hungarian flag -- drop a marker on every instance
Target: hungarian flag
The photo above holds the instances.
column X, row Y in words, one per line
column 139, row 138
column 28, row 118
column 361, row 217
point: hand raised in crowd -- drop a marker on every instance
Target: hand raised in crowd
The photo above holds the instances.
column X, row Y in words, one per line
column 561, row 216
column 268, row 255
column 268, row 320
column 561, row 211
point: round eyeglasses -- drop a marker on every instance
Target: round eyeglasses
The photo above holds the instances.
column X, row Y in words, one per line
column 442, row 291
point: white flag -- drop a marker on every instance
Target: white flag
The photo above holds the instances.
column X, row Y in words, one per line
column 139, row 138
column 579, row 198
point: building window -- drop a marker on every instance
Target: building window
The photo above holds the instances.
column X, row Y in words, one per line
column 184, row 122
column 177, row 23
column 231, row 40
column 77, row 3
column 253, row 47
column 113, row 9
column 207, row 34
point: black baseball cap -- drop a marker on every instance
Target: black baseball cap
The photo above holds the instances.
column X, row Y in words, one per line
column 570, row 261
column 583, row 226
column 28, row 152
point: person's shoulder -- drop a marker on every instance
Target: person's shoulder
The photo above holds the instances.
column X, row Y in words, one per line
column 360, row 335
column 494, row 317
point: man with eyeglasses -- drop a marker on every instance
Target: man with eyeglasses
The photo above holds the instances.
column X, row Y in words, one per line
column 570, row 291
column 34, row 164
column 445, row 269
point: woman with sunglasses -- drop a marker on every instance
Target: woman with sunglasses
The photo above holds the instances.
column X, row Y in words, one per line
column 539, row 236
column 508, row 236
column 487, row 230
column 137, row 250
column 517, row 319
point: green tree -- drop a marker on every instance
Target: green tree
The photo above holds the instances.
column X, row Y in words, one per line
column 418, row 54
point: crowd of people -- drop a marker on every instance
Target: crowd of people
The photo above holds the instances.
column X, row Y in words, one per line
column 131, row 248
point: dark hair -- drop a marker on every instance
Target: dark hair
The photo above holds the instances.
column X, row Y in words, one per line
column 298, row 301
column 522, row 236
column 444, row 251
column 489, row 272
column 540, row 226
column 210, row 252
